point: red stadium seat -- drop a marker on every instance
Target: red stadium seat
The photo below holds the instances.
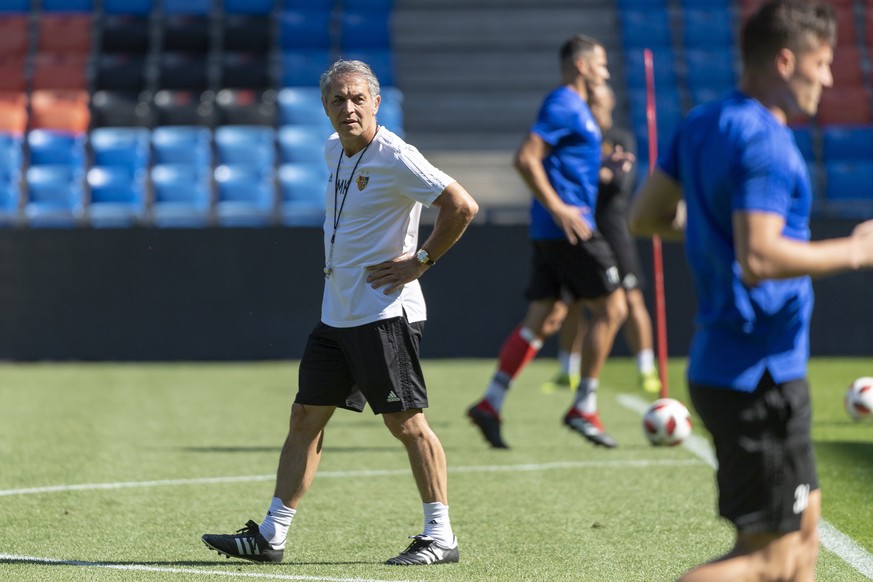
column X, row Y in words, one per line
column 55, row 71
column 64, row 32
column 848, row 106
column 846, row 67
column 13, row 112
column 846, row 35
column 14, row 35
column 60, row 110
column 11, row 73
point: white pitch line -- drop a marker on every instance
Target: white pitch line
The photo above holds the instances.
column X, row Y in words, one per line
column 173, row 570
column 346, row 474
column 831, row 538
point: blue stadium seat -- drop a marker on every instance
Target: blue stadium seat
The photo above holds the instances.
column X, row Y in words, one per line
column 127, row 147
column 645, row 29
column 638, row 5
column 723, row 5
column 391, row 110
column 303, row 67
column 304, row 29
column 302, row 106
column 263, row 7
column 302, row 189
column 381, row 61
column 384, row 6
column 179, row 144
column 10, row 196
column 49, row 147
column 246, row 145
column 14, row 6
column 804, row 140
column 55, row 196
column 846, row 181
column 663, row 68
column 710, row 67
column 11, row 154
column 201, row 7
column 182, row 197
column 117, row 197
column 67, row 5
column 130, row 7
column 301, row 144
column 847, row 143
column 706, row 28
column 365, row 30
column 320, row 5
column 707, row 93
column 245, row 197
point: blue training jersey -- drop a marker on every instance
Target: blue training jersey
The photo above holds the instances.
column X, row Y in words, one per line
column 734, row 155
column 565, row 123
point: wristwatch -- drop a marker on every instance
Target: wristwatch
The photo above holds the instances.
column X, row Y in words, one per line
column 424, row 258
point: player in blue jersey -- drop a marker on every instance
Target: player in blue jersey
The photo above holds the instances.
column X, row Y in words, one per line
column 734, row 181
column 560, row 160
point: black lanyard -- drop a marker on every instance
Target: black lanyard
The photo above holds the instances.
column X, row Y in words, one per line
column 337, row 212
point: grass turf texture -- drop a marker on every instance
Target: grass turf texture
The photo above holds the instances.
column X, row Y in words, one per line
column 551, row 508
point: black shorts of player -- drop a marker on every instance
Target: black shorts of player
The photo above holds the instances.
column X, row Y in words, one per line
column 611, row 219
column 766, row 464
column 376, row 364
column 585, row 270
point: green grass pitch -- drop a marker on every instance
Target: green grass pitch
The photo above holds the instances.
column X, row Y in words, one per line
column 114, row 471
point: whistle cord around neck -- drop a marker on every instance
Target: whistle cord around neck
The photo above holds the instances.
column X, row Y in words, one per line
column 337, row 213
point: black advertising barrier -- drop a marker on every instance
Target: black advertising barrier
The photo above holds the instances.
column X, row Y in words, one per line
column 250, row 294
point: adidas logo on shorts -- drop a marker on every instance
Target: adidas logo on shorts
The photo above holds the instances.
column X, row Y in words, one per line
column 392, row 397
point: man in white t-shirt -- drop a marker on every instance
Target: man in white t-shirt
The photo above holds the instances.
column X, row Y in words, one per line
column 365, row 350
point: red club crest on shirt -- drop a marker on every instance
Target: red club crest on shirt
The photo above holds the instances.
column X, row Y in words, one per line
column 362, row 182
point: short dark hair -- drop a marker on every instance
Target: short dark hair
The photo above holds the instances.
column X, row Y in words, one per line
column 792, row 24
column 576, row 47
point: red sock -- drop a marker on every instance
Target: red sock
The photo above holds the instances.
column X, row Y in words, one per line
column 519, row 348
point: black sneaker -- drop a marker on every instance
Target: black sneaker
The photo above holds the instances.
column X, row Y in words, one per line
column 247, row 543
column 590, row 427
column 425, row 550
column 487, row 419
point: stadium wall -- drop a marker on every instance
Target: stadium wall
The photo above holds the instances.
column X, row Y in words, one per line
column 251, row 294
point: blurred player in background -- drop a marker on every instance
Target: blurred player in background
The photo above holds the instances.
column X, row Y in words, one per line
column 560, row 161
column 735, row 179
column 366, row 348
column 613, row 198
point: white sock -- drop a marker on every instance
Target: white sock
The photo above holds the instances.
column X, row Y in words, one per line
column 275, row 526
column 586, row 396
column 495, row 394
column 436, row 522
column 570, row 362
column 645, row 361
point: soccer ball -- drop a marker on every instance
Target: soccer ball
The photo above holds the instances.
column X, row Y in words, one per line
column 666, row 422
column 859, row 398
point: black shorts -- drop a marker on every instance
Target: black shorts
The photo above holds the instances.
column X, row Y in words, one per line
column 766, row 464
column 585, row 270
column 611, row 219
column 376, row 363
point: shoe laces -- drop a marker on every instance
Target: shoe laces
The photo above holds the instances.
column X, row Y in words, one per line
column 419, row 542
column 250, row 528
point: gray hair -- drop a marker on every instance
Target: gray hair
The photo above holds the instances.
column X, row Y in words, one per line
column 344, row 68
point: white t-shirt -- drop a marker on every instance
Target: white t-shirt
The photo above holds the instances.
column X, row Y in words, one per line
column 378, row 222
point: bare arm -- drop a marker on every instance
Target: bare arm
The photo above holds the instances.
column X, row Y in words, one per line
column 763, row 253
column 456, row 209
column 658, row 208
column 529, row 163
